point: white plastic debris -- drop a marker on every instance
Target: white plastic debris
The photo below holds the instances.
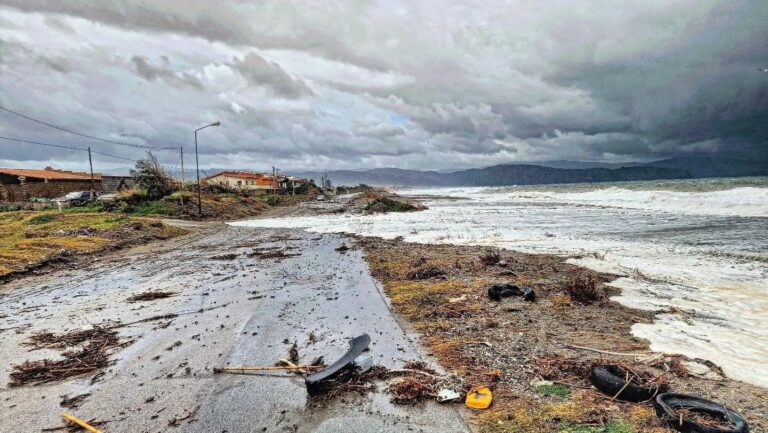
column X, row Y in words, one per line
column 445, row 395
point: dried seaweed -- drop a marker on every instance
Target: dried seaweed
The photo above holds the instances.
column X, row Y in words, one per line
column 150, row 296
column 90, row 352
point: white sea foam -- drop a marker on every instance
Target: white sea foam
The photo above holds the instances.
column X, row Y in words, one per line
column 701, row 251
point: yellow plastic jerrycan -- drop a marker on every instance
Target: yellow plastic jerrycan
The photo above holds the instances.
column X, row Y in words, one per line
column 480, row 399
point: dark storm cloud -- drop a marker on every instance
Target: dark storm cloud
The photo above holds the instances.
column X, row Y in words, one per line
column 259, row 71
column 418, row 84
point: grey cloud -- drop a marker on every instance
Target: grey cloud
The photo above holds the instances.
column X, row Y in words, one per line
column 259, row 71
column 150, row 72
column 214, row 21
column 60, row 25
column 424, row 84
column 57, row 63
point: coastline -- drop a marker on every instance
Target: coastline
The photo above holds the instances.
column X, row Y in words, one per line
column 529, row 342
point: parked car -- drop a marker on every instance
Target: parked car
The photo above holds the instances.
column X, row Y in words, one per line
column 76, row 198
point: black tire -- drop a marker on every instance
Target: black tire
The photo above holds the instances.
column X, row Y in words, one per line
column 667, row 404
column 498, row 291
column 610, row 379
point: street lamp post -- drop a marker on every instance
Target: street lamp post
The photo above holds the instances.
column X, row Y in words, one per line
column 197, row 167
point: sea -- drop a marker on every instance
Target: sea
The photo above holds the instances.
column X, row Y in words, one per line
column 700, row 246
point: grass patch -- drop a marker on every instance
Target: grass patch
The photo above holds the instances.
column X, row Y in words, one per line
column 153, row 208
column 89, row 208
column 556, row 390
column 41, row 219
column 30, row 237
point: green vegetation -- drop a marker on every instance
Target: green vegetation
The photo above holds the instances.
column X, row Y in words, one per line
column 151, row 178
column 386, row 204
column 30, row 237
column 157, row 207
column 41, row 219
column 556, row 390
column 611, row 427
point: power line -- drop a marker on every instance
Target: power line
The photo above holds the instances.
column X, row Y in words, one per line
column 65, row 147
column 81, row 134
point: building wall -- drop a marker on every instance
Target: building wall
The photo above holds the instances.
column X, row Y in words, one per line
column 251, row 184
column 116, row 183
column 50, row 189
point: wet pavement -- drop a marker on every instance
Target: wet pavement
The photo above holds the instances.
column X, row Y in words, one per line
column 235, row 311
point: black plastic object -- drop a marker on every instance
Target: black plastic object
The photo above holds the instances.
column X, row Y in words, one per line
column 667, row 405
column 611, row 380
column 356, row 346
column 498, row 291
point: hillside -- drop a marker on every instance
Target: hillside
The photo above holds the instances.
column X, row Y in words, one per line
column 498, row 175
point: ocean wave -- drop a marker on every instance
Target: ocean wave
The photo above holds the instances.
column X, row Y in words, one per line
column 743, row 201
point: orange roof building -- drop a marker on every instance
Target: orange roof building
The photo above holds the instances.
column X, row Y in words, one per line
column 248, row 180
column 20, row 184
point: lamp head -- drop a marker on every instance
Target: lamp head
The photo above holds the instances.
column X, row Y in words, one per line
column 216, row 123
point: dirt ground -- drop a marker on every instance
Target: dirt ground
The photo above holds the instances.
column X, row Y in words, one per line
column 527, row 349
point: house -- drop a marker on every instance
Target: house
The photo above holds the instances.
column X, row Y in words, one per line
column 20, row 184
column 248, row 180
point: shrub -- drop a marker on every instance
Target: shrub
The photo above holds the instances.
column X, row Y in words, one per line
column 490, row 257
column 583, row 288
column 150, row 176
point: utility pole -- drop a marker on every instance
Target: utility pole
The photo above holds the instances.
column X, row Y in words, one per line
column 181, row 195
column 181, row 149
column 274, row 182
column 197, row 166
column 90, row 162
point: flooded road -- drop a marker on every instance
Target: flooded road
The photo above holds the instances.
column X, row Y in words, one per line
column 234, row 308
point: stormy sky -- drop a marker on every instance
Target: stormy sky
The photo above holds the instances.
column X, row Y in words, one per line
column 358, row 84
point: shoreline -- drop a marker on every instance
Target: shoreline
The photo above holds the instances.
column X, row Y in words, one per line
column 458, row 311
column 474, row 336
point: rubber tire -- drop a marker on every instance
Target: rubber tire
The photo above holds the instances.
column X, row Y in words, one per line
column 610, row 383
column 665, row 405
column 498, row 291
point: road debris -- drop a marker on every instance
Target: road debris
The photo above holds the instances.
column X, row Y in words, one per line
column 150, row 296
column 73, row 419
column 480, row 398
column 97, row 344
column 357, row 345
column 505, row 290
column 73, row 402
column 271, row 253
column 446, row 395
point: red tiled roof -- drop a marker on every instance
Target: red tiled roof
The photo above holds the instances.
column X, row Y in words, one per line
column 238, row 174
column 48, row 174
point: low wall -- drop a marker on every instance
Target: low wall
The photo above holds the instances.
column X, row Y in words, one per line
column 25, row 191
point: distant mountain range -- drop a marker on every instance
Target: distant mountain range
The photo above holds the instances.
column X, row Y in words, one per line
column 536, row 173
column 498, row 175
column 682, row 167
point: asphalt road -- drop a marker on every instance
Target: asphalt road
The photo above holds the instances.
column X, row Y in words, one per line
column 235, row 311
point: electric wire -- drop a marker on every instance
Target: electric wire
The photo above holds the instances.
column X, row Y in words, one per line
column 81, row 134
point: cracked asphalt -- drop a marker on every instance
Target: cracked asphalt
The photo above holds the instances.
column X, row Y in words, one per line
column 241, row 310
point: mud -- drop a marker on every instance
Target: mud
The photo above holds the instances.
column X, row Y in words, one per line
column 225, row 313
